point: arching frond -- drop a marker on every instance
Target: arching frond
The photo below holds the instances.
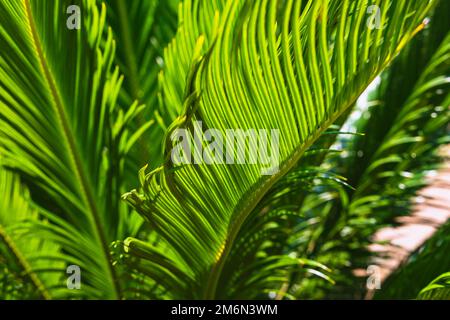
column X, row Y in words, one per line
column 61, row 130
column 292, row 66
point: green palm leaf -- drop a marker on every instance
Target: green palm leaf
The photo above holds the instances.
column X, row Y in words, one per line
column 142, row 30
column 295, row 67
column 196, row 18
column 61, row 130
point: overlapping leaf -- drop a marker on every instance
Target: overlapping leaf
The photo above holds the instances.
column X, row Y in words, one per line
column 291, row 66
column 26, row 266
column 142, row 30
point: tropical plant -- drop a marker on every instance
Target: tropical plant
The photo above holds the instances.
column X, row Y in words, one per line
column 82, row 111
column 284, row 80
column 62, row 130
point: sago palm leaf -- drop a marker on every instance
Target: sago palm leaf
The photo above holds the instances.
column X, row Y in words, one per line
column 26, row 266
column 292, row 66
column 424, row 118
column 61, row 130
column 142, row 30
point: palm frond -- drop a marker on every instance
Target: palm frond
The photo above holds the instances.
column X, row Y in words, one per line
column 280, row 65
column 142, row 29
column 24, row 262
column 61, row 130
column 196, row 18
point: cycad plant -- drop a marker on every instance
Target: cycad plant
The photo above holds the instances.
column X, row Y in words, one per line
column 400, row 133
column 88, row 115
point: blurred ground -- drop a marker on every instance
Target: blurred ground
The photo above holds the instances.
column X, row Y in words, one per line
column 431, row 210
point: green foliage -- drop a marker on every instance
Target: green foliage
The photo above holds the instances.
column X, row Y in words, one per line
column 439, row 289
column 61, row 130
column 404, row 128
column 142, row 29
column 82, row 111
column 202, row 221
column 24, row 260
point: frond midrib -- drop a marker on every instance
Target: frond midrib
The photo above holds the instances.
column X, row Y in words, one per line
column 69, row 140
